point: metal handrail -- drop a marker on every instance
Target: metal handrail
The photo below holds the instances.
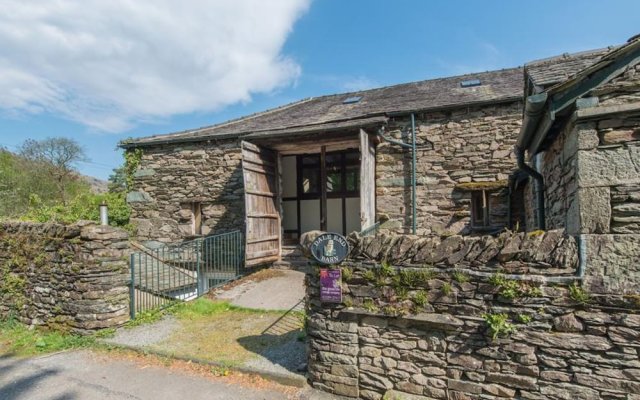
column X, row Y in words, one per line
column 183, row 271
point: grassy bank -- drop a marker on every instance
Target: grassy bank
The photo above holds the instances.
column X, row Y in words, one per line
column 17, row 339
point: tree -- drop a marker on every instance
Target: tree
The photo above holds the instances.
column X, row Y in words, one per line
column 118, row 180
column 58, row 158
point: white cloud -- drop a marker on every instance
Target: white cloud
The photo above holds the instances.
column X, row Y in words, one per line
column 111, row 64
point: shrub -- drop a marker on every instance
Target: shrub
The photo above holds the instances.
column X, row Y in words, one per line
column 85, row 206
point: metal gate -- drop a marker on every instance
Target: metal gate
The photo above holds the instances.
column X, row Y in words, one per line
column 183, row 271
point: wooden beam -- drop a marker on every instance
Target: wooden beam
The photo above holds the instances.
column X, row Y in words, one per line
column 259, row 215
column 259, row 193
column 263, row 239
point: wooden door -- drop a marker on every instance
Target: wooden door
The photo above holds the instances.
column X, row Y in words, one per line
column 367, row 181
column 262, row 216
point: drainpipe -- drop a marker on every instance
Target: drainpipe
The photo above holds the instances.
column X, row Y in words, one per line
column 414, row 193
column 512, row 179
column 534, row 109
column 540, row 181
column 411, row 146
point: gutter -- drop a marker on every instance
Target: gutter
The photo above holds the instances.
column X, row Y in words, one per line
column 534, row 108
column 411, row 146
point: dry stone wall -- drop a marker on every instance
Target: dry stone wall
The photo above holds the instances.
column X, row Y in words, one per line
column 462, row 146
column 69, row 277
column 420, row 321
column 171, row 178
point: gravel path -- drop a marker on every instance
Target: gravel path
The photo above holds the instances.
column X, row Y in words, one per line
column 283, row 291
column 145, row 335
column 278, row 293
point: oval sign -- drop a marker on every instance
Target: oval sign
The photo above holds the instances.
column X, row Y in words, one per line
column 329, row 248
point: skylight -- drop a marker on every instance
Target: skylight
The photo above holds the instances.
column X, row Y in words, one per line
column 470, row 83
column 351, row 100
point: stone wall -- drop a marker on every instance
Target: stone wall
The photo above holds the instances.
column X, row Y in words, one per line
column 592, row 178
column 70, row 277
column 433, row 322
column 621, row 90
column 461, row 146
column 170, row 178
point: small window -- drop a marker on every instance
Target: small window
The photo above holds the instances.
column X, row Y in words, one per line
column 470, row 83
column 351, row 100
column 479, row 209
column 196, row 218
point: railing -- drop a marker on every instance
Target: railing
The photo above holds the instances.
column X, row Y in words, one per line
column 370, row 230
column 184, row 271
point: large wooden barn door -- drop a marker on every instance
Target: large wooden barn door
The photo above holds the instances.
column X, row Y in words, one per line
column 260, row 172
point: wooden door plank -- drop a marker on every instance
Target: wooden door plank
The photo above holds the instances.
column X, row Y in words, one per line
column 367, row 180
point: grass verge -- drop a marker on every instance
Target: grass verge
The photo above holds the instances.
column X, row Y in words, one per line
column 19, row 340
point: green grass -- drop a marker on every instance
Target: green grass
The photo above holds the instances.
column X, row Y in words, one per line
column 204, row 307
column 19, row 340
column 221, row 332
column 460, row 277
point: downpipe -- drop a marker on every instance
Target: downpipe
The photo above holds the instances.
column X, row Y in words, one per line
column 411, row 146
column 540, row 182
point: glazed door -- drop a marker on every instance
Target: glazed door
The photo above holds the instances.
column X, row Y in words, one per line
column 262, row 216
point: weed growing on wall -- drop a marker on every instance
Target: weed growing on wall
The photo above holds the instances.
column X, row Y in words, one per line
column 513, row 289
column 578, row 294
column 460, row 277
column 499, row 324
column 420, row 298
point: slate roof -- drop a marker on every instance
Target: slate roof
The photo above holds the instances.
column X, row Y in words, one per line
column 549, row 71
column 329, row 111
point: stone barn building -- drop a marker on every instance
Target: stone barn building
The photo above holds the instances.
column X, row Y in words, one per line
column 435, row 157
column 582, row 135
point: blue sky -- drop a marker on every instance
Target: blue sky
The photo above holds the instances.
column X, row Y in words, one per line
column 121, row 81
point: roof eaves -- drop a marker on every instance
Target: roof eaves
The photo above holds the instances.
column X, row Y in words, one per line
column 560, row 96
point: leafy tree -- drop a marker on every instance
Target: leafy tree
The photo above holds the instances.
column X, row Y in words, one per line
column 57, row 158
column 118, row 180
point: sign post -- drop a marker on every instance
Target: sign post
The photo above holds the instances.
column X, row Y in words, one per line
column 329, row 249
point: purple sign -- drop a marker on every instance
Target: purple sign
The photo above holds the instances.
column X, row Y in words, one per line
column 330, row 285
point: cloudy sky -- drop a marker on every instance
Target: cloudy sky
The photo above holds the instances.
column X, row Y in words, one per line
column 102, row 71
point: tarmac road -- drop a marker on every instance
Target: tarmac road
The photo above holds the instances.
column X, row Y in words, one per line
column 88, row 376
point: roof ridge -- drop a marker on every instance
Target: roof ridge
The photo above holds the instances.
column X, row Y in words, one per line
column 234, row 120
column 419, row 81
column 565, row 56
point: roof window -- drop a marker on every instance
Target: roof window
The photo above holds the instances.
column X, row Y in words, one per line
column 351, row 100
column 470, row 83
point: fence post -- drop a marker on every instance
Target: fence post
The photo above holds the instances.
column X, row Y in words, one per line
column 199, row 280
column 132, row 290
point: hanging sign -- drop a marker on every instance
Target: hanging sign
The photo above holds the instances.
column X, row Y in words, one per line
column 329, row 248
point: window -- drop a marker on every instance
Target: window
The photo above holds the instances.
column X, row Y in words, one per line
column 196, row 218
column 310, row 174
column 479, row 209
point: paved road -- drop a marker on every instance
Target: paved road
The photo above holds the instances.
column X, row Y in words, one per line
column 278, row 293
column 87, row 376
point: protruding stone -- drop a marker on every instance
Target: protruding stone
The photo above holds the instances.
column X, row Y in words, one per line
column 567, row 323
